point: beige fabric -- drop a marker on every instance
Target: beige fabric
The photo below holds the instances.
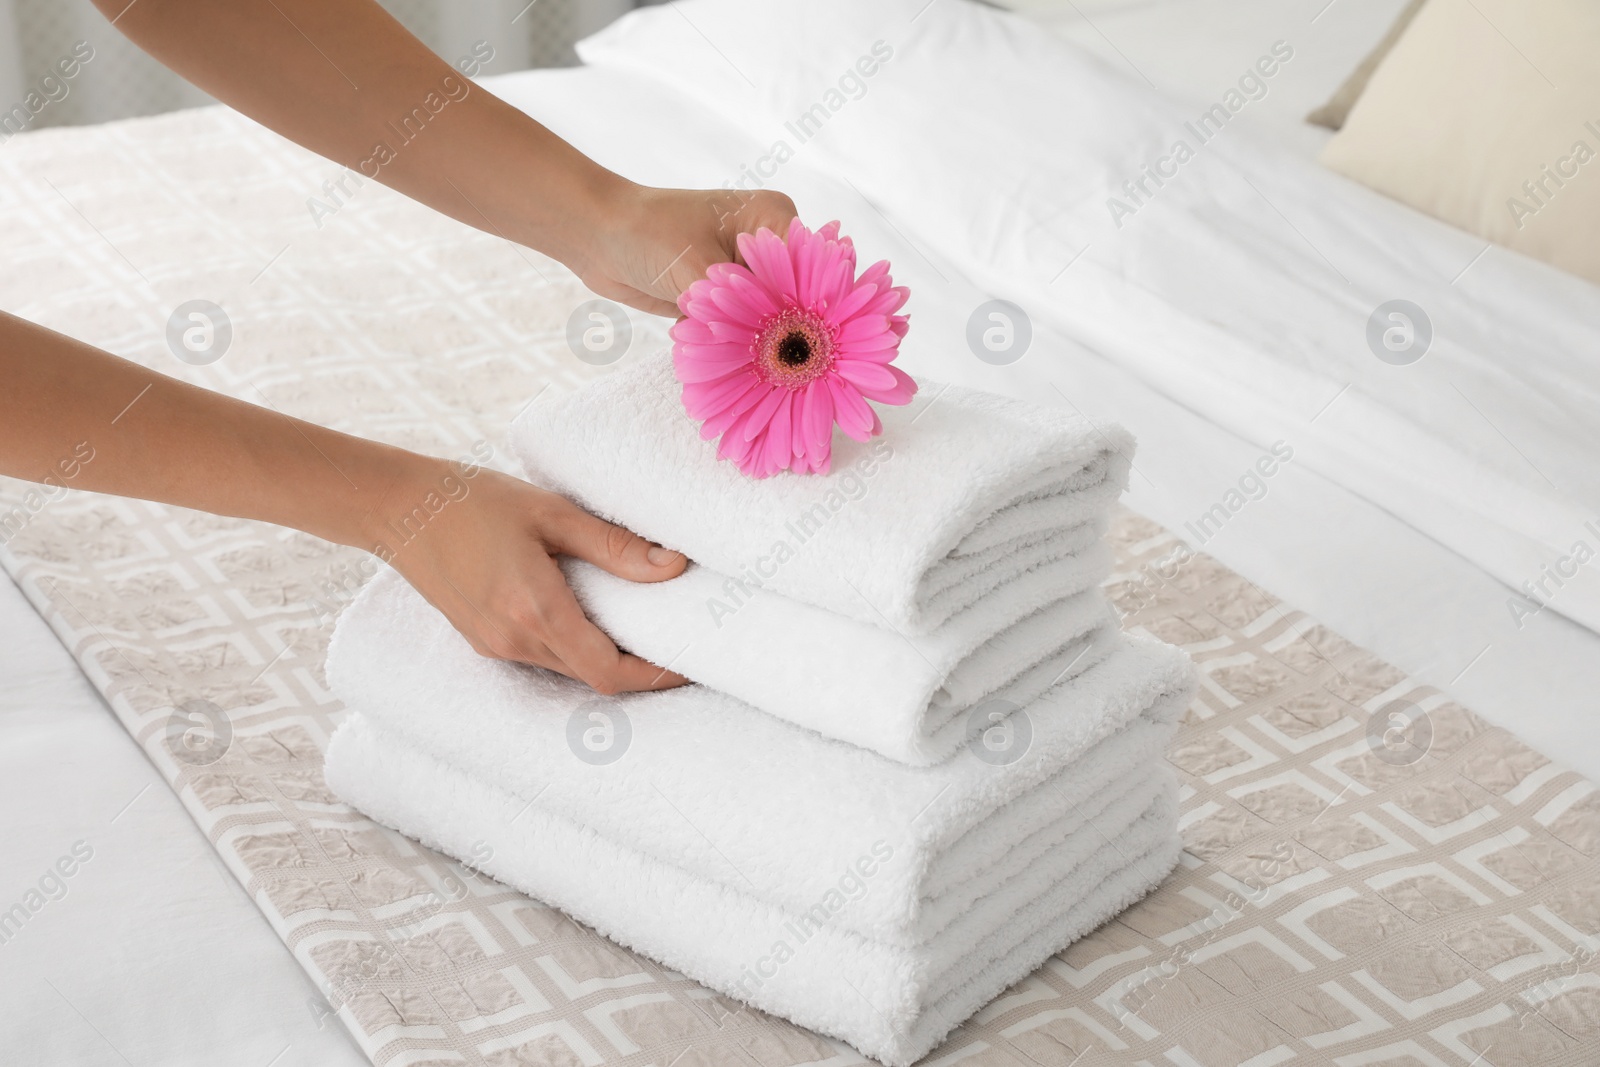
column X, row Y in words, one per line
column 1339, row 901
column 1486, row 114
column 1333, row 113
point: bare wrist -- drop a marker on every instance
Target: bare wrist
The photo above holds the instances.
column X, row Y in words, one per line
column 539, row 190
column 595, row 205
column 403, row 492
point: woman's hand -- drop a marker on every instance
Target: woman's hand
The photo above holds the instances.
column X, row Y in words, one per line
column 484, row 559
column 654, row 243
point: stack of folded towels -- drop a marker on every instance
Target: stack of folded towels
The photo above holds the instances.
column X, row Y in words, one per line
column 920, row 759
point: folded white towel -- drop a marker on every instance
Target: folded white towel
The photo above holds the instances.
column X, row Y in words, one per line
column 891, row 1002
column 962, row 494
column 703, row 782
column 821, row 670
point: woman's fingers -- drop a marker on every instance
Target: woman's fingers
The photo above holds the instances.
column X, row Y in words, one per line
column 644, row 676
column 519, row 642
column 650, row 305
column 553, row 617
column 488, row 565
column 634, row 674
column 572, row 531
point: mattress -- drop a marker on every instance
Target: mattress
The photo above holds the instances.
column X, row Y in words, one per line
column 222, row 980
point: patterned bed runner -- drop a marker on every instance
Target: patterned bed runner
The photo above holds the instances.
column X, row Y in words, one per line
column 1373, row 875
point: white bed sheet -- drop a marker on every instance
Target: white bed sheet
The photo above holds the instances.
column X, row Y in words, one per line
column 155, row 954
column 1192, row 49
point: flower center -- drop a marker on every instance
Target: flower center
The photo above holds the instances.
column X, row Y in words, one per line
column 795, row 347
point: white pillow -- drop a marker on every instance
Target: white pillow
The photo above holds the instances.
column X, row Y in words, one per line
column 1486, row 114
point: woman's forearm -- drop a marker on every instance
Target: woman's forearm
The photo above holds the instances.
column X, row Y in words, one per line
column 482, row 552
column 85, row 419
column 344, row 79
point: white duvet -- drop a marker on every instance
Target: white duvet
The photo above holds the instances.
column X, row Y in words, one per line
column 1241, row 286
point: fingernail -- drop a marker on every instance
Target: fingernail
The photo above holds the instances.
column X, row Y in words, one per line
column 660, row 557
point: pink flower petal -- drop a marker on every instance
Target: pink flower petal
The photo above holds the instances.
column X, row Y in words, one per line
column 779, row 442
column 889, row 301
column 768, row 258
column 700, row 369
column 756, row 294
column 883, row 338
column 762, row 413
column 860, row 328
column 715, row 352
column 698, row 305
column 818, row 415
column 720, row 274
column 700, row 289
column 706, row 373
column 735, row 308
column 864, row 375
column 804, row 248
column 724, row 421
column 797, row 424
column 854, row 415
column 836, row 284
column 691, row 373
column 904, row 388
column 848, row 248
column 704, row 399
column 734, row 445
column 879, row 350
column 852, row 302
column 733, row 332
column 877, row 274
column 692, row 331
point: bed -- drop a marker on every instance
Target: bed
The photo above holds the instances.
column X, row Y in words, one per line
column 153, row 952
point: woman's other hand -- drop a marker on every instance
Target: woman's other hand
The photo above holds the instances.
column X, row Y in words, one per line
column 485, row 559
column 654, row 243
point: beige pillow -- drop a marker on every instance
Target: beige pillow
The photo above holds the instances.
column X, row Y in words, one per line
column 1486, row 114
column 1332, row 114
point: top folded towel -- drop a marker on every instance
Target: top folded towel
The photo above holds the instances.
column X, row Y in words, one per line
column 963, row 493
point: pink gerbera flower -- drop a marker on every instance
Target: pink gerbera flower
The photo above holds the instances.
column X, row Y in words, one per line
column 772, row 355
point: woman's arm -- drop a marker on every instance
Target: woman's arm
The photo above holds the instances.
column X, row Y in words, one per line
column 483, row 558
column 344, row 79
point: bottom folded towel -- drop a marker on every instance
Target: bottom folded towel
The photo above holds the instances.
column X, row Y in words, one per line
column 892, row 1002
